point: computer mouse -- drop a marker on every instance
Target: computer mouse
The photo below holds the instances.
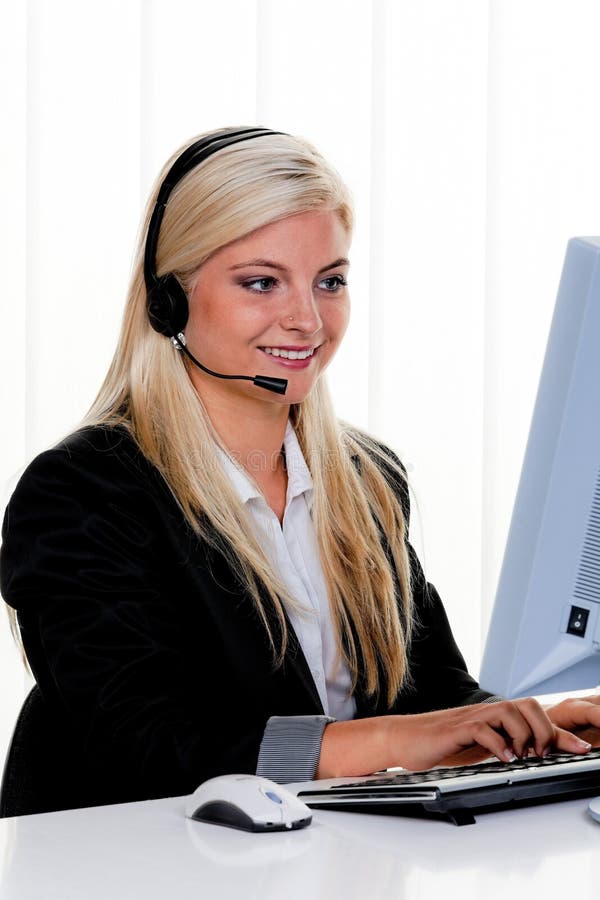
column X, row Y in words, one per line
column 594, row 809
column 247, row 802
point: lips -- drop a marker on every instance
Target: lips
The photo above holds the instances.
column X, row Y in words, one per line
column 289, row 352
column 291, row 357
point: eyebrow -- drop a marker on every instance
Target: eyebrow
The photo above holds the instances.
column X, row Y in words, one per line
column 268, row 264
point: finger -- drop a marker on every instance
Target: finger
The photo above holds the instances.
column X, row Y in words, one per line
column 591, row 735
column 543, row 730
column 591, row 698
column 575, row 713
column 484, row 735
column 570, row 743
column 524, row 723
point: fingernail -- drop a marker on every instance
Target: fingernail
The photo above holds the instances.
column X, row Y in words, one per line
column 584, row 744
column 508, row 756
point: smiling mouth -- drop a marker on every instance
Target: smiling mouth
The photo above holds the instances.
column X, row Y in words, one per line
column 290, row 354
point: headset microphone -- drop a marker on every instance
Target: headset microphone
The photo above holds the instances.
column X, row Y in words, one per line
column 166, row 301
column 277, row 385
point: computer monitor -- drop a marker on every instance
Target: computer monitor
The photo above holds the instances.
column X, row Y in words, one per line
column 544, row 634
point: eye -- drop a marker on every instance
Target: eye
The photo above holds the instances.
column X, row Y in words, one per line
column 260, row 285
column 334, row 283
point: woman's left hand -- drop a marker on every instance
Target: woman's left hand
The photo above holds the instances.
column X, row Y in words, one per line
column 580, row 715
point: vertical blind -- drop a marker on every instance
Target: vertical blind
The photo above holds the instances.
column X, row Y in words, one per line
column 468, row 134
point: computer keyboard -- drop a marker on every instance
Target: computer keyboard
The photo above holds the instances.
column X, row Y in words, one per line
column 456, row 792
column 495, row 767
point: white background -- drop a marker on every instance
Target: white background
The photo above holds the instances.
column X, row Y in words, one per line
column 469, row 135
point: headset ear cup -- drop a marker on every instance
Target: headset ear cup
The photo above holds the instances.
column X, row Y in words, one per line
column 167, row 306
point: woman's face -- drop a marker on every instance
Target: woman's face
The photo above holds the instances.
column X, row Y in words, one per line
column 261, row 303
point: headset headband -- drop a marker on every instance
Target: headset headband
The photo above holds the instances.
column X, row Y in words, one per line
column 195, row 154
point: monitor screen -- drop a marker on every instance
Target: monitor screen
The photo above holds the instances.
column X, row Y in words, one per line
column 544, row 633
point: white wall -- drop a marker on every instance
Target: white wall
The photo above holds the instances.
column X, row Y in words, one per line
column 468, row 133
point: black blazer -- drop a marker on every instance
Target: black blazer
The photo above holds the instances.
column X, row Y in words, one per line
column 148, row 653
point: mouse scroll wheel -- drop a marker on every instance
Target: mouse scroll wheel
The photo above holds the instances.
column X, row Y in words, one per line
column 273, row 796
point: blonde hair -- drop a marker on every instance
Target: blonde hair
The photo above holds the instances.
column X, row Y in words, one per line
column 147, row 390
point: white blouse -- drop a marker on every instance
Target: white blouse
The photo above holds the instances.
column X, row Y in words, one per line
column 292, row 550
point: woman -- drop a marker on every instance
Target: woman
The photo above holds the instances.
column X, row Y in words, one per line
column 211, row 576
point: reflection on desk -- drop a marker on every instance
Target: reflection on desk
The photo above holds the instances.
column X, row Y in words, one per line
column 151, row 850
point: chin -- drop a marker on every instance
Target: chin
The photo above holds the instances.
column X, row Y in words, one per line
column 297, row 394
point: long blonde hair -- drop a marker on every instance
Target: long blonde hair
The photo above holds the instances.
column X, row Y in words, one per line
column 147, row 389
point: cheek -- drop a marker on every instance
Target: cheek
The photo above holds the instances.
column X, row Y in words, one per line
column 210, row 314
column 336, row 320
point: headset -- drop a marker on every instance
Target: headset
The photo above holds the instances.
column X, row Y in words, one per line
column 166, row 300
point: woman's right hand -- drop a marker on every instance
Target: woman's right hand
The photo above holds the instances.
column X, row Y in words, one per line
column 504, row 729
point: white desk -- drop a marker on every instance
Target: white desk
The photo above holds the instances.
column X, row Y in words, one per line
column 149, row 850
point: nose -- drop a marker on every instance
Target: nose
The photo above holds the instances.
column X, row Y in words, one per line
column 302, row 311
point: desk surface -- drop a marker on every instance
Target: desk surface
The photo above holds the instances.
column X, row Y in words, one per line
column 151, row 850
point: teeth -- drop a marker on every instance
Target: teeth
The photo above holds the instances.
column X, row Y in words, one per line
column 290, row 354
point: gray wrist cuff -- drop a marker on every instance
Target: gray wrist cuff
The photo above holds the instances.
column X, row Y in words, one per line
column 290, row 748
